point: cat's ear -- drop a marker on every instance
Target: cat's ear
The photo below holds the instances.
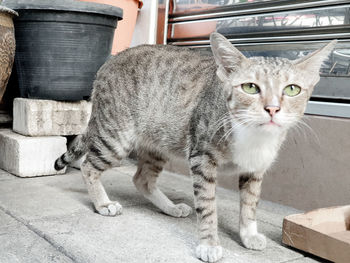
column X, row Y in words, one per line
column 313, row 62
column 227, row 57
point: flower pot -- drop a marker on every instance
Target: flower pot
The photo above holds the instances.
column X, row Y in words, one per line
column 60, row 46
column 123, row 34
column 7, row 46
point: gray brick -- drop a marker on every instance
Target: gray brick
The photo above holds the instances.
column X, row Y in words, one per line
column 30, row 156
column 34, row 117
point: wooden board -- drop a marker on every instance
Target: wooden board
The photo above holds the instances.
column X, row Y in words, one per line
column 324, row 232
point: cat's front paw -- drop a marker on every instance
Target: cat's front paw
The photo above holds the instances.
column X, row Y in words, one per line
column 255, row 242
column 208, row 253
column 111, row 209
column 179, row 210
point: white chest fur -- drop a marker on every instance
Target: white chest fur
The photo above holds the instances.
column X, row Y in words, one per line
column 255, row 150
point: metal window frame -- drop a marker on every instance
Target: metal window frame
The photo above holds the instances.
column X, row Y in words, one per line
column 331, row 109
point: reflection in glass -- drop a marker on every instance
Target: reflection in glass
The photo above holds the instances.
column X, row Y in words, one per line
column 338, row 63
column 290, row 20
column 200, row 5
column 282, row 21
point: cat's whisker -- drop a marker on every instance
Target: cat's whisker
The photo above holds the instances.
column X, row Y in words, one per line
column 224, row 120
column 298, row 126
column 234, row 127
column 221, row 138
column 298, row 129
column 223, row 123
column 227, row 133
column 308, row 128
column 223, row 117
column 249, row 119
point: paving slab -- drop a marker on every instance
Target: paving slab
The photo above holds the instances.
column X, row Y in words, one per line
column 30, row 199
column 140, row 235
column 143, row 235
column 20, row 244
column 5, row 175
column 57, row 209
column 268, row 212
column 6, row 220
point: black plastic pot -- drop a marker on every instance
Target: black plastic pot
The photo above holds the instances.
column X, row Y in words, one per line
column 60, row 46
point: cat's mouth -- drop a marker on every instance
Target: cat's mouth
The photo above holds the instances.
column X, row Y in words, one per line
column 271, row 123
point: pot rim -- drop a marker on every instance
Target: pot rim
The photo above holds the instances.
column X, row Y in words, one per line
column 65, row 5
column 8, row 10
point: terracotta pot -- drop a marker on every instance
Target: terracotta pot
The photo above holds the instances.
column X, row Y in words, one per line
column 7, row 46
column 125, row 29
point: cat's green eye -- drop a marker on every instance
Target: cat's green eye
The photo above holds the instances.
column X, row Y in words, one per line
column 292, row 90
column 250, row 88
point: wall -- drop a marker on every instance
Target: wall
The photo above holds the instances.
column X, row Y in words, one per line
column 146, row 24
column 312, row 170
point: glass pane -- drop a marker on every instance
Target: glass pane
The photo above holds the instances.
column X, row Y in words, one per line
column 201, row 5
column 283, row 21
column 335, row 71
column 289, row 20
column 338, row 63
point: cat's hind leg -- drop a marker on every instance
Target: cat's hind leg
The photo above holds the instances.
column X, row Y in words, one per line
column 103, row 153
column 97, row 193
column 149, row 167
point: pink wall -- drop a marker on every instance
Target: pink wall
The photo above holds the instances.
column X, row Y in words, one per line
column 125, row 28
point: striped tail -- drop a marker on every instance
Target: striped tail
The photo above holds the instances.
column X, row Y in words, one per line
column 76, row 149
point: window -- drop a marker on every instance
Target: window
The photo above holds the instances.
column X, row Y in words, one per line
column 282, row 28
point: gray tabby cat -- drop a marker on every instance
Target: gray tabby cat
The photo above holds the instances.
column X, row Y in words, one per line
column 164, row 101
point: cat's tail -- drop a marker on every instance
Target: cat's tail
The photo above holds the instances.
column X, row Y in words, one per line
column 76, row 150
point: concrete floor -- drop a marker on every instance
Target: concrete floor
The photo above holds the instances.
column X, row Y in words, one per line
column 51, row 219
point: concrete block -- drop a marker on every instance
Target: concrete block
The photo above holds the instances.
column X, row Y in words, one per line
column 30, row 156
column 34, row 117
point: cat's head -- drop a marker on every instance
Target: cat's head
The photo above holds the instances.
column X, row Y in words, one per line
column 264, row 92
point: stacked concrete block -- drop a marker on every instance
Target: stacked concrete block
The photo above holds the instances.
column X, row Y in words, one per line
column 30, row 156
column 47, row 117
column 37, row 137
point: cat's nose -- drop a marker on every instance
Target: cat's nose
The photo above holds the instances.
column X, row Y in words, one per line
column 272, row 110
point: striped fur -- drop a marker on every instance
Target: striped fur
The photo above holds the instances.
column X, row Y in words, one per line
column 76, row 150
column 164, row 101
column 250, row 187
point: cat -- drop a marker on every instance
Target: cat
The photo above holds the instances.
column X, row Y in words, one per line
column 163, row 101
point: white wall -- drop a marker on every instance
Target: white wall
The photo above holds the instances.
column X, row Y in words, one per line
column 146, row 25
